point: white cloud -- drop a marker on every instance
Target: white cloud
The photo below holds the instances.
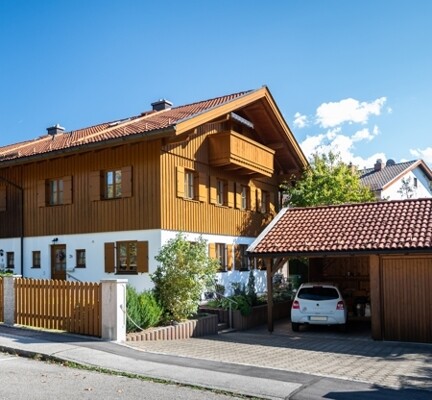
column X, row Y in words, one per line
column 365, row 134
column 424, row 154
column 300, row 121
column 347, row 110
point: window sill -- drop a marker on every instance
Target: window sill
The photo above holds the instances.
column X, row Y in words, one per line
column 126, row 273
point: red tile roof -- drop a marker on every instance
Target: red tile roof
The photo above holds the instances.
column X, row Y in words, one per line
column 387, row 226
column 147, row 122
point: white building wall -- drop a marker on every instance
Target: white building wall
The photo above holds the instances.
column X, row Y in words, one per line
column 423, row 189
column 93, row 244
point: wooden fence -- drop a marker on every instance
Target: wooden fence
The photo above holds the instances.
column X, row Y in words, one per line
column 1, row 300
column 61, row 305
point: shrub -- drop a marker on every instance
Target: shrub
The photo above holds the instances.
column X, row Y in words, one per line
column 251, row 291
column 143, row 310
column 185, row 271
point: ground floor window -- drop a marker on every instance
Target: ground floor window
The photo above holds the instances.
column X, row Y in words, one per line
column 80, row 258
column 36, row 259
column 127, row 256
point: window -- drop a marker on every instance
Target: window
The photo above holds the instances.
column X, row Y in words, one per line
column 265, row 202
column 244, row 197
column 10, row 260
column 189, row 183
column 242, row 260
column 221, row 192
column 36, row 259
column 415, row 182
column 80, row 258
column 55, row 192
column 221, row 255
column 127, row 256
column 113, row 184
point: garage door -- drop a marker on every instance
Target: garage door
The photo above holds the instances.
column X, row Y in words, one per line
column 407, row 299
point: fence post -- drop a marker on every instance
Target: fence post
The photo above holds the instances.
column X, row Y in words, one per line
column 114, row 309
column 9, row 300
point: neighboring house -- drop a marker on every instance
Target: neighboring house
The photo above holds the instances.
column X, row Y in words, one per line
column 392, row 181
column 379, row 253
column 99, row 202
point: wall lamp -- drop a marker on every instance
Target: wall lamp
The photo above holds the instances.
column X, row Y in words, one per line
column 1, row 253
column 55, row 240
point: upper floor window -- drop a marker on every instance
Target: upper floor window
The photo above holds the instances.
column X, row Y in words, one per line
column 36, row 259
column 56, row 190
column 244, row 204
column 113, row 184
column 265, row 202
column 221, row 192
column 110, row 184
column 190, row 184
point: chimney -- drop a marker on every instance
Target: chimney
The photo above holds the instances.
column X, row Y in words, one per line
column 161, row 104
column 53, row 130
column 379, row 165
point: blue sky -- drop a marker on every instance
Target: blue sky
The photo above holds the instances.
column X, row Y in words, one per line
column 351, row 76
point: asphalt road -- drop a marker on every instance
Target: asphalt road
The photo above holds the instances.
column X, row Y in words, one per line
column 22, row 378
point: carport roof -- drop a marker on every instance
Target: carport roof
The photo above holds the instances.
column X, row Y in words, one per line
column 380, row 227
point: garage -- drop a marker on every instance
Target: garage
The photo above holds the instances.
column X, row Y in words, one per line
column 379, row 254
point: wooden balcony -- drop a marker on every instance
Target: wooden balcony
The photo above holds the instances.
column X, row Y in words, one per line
column 237, row 152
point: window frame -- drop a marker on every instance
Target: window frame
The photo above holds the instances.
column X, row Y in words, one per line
column 80, row 257
column 10, row 260
column 222, row 256
column 221, row 192
column 125, row 265
column 55, row 192
column 112, row 179
column 190, row 184
column 36, row 259
column 243, row 259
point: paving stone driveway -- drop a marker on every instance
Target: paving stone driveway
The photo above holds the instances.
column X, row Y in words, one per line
column 318, row 351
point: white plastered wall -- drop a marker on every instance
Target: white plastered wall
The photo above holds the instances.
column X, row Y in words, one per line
column 423, row 189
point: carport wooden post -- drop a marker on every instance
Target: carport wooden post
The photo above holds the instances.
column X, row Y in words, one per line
column 375, row 296
column 269, row 267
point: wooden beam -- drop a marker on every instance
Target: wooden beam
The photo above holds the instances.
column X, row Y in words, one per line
column 375, row 296
column 269, row 262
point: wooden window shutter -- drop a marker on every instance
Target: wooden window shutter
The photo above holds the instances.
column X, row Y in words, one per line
column 272, row 203
column 142, row 257
column 202, row 187
column 41, row 193
column 109, row 257
column 3, row 198
column 126, row 181
column 95, row 185
column 213, row 191
column 212, row 250
column 67, row 190
column 253, row 204
column 180, row 181
column 229, row 261
column 231, row 193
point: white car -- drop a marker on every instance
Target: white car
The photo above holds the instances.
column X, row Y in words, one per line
column 318, row 304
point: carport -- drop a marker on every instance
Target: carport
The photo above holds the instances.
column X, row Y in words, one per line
column 381, row 249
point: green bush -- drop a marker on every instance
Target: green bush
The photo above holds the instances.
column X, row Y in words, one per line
column 184, row 273
column 142, row 309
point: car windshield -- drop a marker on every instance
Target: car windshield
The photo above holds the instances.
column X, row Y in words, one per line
column 318, row 293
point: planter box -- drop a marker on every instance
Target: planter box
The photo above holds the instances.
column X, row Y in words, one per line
column 183, row 330
column 257, row 317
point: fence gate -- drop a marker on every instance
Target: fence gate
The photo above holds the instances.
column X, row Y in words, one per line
column 61, row 305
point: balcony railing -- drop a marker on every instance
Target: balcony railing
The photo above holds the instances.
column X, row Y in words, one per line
column 237, row 152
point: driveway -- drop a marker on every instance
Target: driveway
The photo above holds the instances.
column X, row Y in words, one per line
column 322, row 351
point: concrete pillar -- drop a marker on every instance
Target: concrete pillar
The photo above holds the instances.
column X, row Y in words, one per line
column 114, row 309
column 8, row 300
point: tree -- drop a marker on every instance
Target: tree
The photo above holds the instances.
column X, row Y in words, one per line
column 327, row 181
column 406, row 190
column 185, row 271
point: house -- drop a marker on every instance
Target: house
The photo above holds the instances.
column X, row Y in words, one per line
column 392, row 181
column 379, row 253
column 99, row 202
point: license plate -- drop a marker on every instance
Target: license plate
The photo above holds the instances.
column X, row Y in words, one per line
column 318, row 318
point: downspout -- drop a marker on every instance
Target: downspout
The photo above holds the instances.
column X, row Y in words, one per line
column 21, row 189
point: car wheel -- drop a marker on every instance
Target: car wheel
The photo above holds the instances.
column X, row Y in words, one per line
column 295, row 326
